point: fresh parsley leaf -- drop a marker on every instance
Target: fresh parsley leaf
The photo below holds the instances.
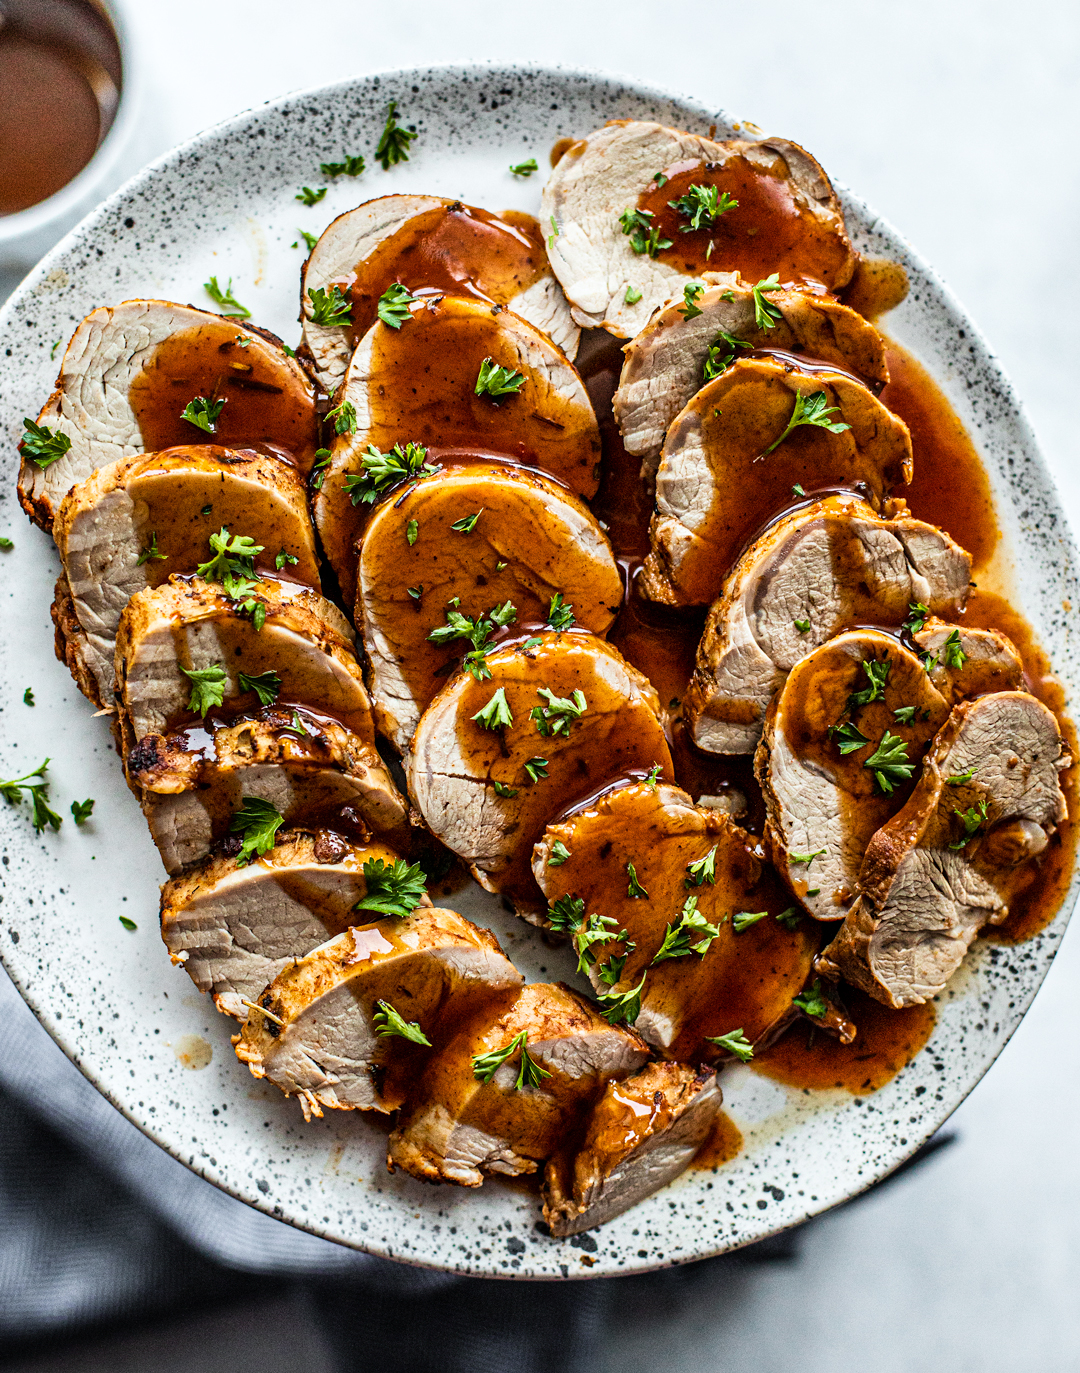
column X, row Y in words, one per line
column 806, row 858
column 790, row 918
column 297, row 725
column 386, row 1021
column 477, row 631
column 560, row 616
column 52, row 350
column 634, row 888
column 702, row 206
column 266, row 686
column 151, row 552
column 127, row 922
column 393, row 146
column 6, row 543
column 813, row 410
column 310, row 240
column 972, row 820
column 961, row 779
column 207, row 687
column 766, row 313
column 735, row 1042
column 525, row 168
column 848, row 738
column 797, row 490
column 598, row 929
column 742, row 920
column 904, row 715
column 329, row 309
column 917, row 614
column 381, row 472
column 889, row 762
column 811, row 1002
column 318, row 468
column 567, row 913
column 28, row 697
column 41, row 445
column 558, row 854
column 877, row 673
column 553, row 235
column 495, row 381
column 643, row 234
column 496, row 714
column 633, row 295
column 39, row 797
column 280, row 559
column 691, row 933
column 203, row 413
column 559, row 714
column 654, row 773
column 258, row 823
column 536, row 769
column 622, row 1008
column 394, row 889
column 344, row 417
column 530, row 1073
column 953, row 655
column 412, row 529
column 803, row 626
column 352, row 166
column 702, row 870
column 501, row 789
column 394, row 305
column 467, row 523
column 230, row 306
column 416, row 592
column 233, row 563
column 692, row 293
column 721, row 354
column 660, row 179
column 81, row 811
column 309, row 197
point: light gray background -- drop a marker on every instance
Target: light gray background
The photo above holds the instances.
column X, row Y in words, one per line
column 958, row 122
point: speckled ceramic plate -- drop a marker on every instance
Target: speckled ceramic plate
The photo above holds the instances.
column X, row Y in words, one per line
column 224, row 203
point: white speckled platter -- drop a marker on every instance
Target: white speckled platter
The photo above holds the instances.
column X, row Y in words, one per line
column 224, row 204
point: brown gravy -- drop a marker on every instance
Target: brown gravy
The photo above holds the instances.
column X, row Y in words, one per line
column 723, row 1143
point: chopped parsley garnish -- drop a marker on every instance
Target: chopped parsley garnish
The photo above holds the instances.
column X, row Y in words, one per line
column 691, row 933
column 386, row 1021
column 233, row 563
column 477, row 631
column 721, row 355
column 344, row 417
column 702, row 871
column 127, row 922
column 329, row 308
column 806, row 858
column 39, row 797
column 203, row 413
column 258, row 823
column 553, row 235
column 536, row 769
column 622, row 1008
column 598, row 929
column 393, row 146
column 634, row 888
column 560, row 616
column 811, row 1002
column 151, row 552
column 467, row 523
column 280, row 559
column 742, row 920
column 352, row 166
column 660, row 179
column 917, row 613
column 415, row 592
column 644, row 236
column 496, row 714
column 525, row 168
column 813, row 410
column 702, row 206
column 790, row 918
column 230, row 306
column 297, row 725
column 558, row 854
column 735, row 1042
column 889, row 762
column 559, row 714
column 848, row 738
column 633, row 295
column 972, row 820
column 310, row 240
column 394, row 305
column 803, row 626
column 952, row 654
column 383, row 471
column 797, row 490
column 691, row 295
column 28, row 697
column 81, row 811
column 412, row 529
column 394, row 889
column 766, row 313
column 52, row 350
column 318, row 468
column 495, row 381
column 265, row 685
column 207, row 687
column 6, row 544
column 904, row 715
column 961, row 779
column 530, row 1073
column 654, row 773
column 877, row 672
column 309, row 197
column 567, row 913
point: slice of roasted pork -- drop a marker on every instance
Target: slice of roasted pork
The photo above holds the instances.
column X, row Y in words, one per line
column 234, row 925
column 989, row 798
column 676, row 918
column 544, row 723
column 350, row 1025
column 640, row 1135
column 843, row 740
column 681, row 348
column 428, row 389
column 300, row 652
column 965, row 662
column 533, row 547
column 502, row 1094
column 205, row 786
column 147, row 375
column 430, row 247
column 137, row 521
column 734, row 457
column 637, row 209
column 823, row 569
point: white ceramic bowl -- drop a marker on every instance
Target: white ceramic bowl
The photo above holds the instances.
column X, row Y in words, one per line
column 224, row 203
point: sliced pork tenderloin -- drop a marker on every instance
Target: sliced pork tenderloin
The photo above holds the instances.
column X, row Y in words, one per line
column 234, row 926
column 621, row 249
column 824, row 568
column 965, row 662
column 557, row 717
column 471, row 1114
column 533, row 547
column 640, row 1135
column 858, row 700
column 137, row 521
column 988, row 800
column 321, row 1035
column 681, row 348
column 677, row 902
column 130, row 372
column 417, row 385
column 431, row 247
column 731, row 461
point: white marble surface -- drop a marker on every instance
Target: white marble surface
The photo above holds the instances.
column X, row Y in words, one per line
column 956, row 121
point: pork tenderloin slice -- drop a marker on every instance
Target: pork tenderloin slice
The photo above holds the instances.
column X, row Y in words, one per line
column 717, row 484
column 188, row 623
column 128, row 374
column 137, row 521
column 788, row 220
column 923, row 893
column 812, row 574
column 967, row 662
column 234, row 927
column 533, row 541
column 417, row 384
column 640, row 1135
column 743, row 980
column 823, row 806
column 428, row 245
column 190, row 789
column 664, row 365
column 318, row 1039
column 471, row 784
column 456, row 1128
